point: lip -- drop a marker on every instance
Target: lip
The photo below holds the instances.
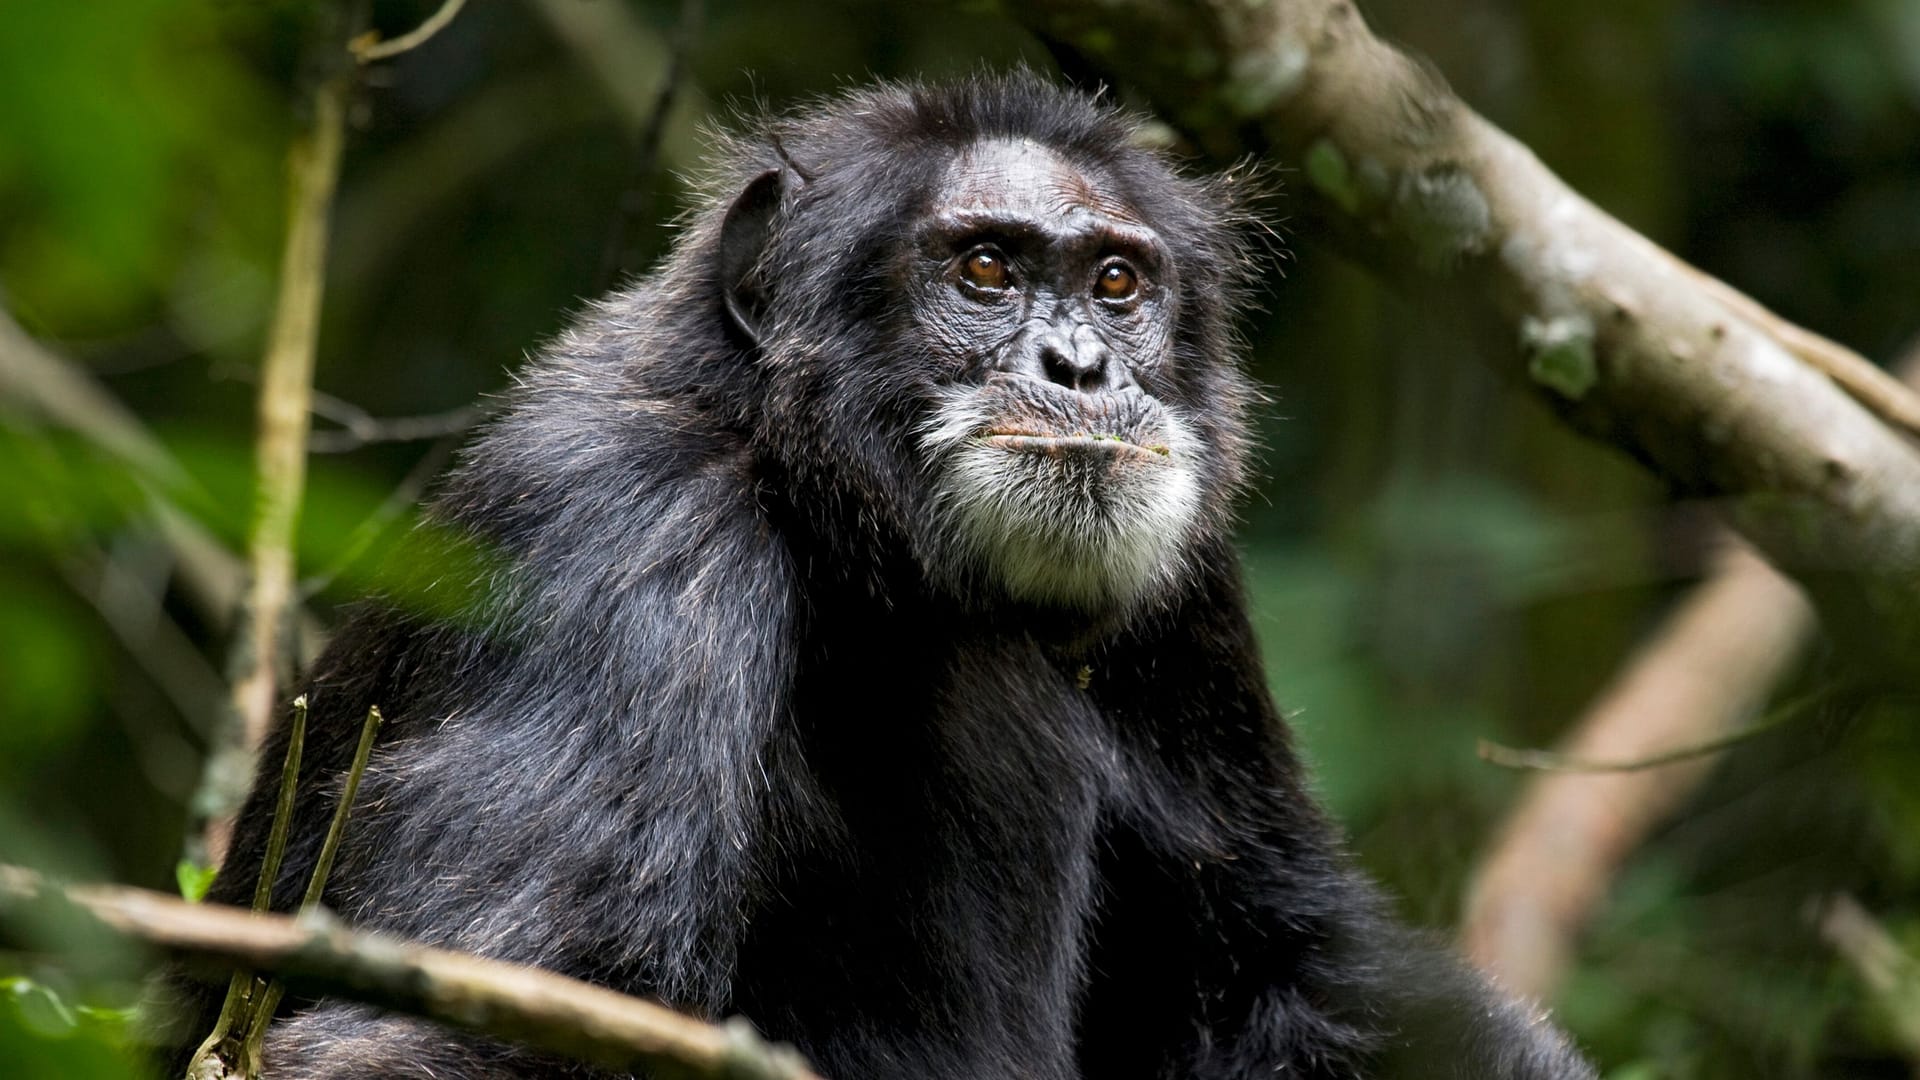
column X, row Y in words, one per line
column 1033, row 443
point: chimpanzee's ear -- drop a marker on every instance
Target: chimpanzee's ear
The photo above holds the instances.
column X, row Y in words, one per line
column 744, row 234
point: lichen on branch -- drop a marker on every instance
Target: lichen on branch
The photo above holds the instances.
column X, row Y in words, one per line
column 1810, row 444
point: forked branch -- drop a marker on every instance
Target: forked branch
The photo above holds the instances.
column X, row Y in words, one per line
column 1808, row 443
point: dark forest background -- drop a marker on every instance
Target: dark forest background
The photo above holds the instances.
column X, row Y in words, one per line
column 1433, row 558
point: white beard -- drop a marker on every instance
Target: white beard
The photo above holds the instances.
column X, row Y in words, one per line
column 1088, row 528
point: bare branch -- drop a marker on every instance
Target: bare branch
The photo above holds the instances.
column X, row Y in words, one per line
column 153, row 639
column 403, row 497
column 1553, row 860
column 360, row 428
column 267, row 1002
column 224, row 1051
column 540, row 1008
column 619, row 52
column 1550, row 865
column 1625, row 340
column 64, row 394
column 636, row 202
column 1509, row 757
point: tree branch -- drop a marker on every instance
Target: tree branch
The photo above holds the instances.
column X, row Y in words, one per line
column 620, row 53
column 360, row 428
column 1710, row 666
column 1628, row 342
column 1890, row 974
column 635, row 210
column 64, row 394
column 1716, row 658
column 1513, row 757
column 285, row 404
column 540, row 1008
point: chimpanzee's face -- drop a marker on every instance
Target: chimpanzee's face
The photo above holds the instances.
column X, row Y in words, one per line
column 1048, row 307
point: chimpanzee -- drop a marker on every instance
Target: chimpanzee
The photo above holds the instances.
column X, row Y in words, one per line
column 869, row 656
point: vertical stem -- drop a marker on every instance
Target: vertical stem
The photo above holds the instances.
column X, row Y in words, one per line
column 244, row 989
column 351, row 787
column 283, row 809
column 636, row 202
column 285, row 402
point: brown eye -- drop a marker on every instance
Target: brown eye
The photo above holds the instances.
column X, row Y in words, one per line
column 985, row 269
column 1116, row 282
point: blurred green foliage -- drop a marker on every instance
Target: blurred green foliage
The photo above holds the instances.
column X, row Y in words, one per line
column 44, row 1035
column 1432, row 558
column 138, row 154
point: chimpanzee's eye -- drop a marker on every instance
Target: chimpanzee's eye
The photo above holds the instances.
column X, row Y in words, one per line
column 985, row 268
column 1116, row 281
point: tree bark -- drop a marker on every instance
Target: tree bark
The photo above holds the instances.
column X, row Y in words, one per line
column 1805, row 439
column 539, row 1008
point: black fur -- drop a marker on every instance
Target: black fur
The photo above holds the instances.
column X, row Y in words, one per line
column 723, row 733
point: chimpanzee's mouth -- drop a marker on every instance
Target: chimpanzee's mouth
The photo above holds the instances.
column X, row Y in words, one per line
column 1030, row 416
column 1061, row 444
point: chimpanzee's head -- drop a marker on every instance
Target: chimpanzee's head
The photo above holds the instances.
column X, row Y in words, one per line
column 988, row 323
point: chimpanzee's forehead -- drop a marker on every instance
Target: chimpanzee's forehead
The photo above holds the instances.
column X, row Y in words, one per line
column 1027, row 179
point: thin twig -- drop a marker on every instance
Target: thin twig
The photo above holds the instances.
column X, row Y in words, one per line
column 1508, row 757
column 636, row 202
column 66, row 395
column 368, row 47
column 360, row 428
column 338, row 828
column 282, row 808
column 617, row 49
column 539, row 1008
column 1708, row 668
column 157, row 643
column 404, row 495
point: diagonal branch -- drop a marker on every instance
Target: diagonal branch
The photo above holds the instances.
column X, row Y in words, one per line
column 635, row 210
column 1628, row 342
column 1890, row 974
column 1695, row 681
column 535, row 1007
column 59, row 392
column 1554, row 859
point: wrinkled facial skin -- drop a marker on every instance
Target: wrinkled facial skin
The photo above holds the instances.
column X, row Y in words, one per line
column 1048, row 308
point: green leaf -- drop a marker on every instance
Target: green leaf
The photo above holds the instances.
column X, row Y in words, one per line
column 194, row 879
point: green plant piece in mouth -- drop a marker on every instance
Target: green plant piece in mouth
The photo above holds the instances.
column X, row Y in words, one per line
column 1160, row 449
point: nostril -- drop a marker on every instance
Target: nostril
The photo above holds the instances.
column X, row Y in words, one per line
column 1076, row 369
column 1063, row 369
